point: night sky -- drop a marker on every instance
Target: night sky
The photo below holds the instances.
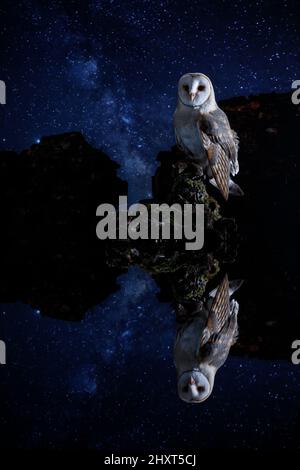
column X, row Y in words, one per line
column 110, row 69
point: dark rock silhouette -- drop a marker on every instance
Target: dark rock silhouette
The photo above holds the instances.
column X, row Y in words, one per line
column 50, row 256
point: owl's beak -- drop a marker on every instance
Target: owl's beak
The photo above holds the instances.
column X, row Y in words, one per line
column 191, row 381
column 192, row 96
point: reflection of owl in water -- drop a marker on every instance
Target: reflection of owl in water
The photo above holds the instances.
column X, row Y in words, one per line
column 203, row 132
column 203, row 343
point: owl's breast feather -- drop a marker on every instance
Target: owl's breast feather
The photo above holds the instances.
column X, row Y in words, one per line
column 189, row 138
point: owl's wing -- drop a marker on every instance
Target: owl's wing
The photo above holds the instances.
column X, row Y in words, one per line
column 219, row 164
column 218, row 312
column 220, row 308
column 217, row 127
column 229, row 141
column 221, row 330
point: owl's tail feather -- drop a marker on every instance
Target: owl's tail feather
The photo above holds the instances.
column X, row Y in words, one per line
column 234, row 189
column 233, row 287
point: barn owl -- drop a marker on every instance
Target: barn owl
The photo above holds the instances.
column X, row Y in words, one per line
column 203, row 132
column 203, row 343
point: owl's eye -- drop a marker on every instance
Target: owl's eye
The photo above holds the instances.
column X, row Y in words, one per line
column 185, row 389
column 201, row 87
column 200, row 389
column 186, row 88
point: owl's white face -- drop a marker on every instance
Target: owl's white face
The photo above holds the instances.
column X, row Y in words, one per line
column 193, row 387
column 194, row 89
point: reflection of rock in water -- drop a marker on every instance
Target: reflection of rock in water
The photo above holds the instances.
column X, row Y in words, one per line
column 50, row 256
